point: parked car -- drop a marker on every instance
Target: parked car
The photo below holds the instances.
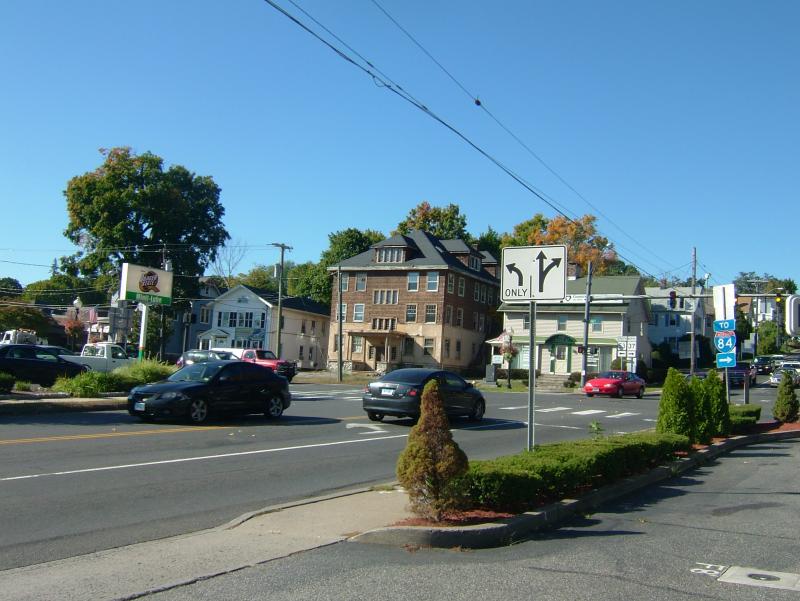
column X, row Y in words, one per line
column 200, row 390
column 399, row 392
column 101, row 356
column 31, row 363
column 202, row 356
column 778, row 374
column 284, row 368
column 616, row 384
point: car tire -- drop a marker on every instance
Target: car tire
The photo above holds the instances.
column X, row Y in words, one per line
column 640, row 394
column 617, row 393
column 375, row 416
column 478, row 410
column 198, row 411
column 589, row 394
column 274, row 407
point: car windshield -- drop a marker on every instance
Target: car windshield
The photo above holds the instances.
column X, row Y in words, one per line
column 265, row 354
column 407, row 376
column 225, row 355
column 611, row 375
column 197, row 372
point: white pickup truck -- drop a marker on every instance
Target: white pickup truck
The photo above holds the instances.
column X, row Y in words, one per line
column 101, row 356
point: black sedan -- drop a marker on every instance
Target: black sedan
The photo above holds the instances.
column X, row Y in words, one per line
column 35, row 364
column 398, row 394
column 200, row 390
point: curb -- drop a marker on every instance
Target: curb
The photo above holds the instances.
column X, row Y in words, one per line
column 507, row 531
column 56, row 405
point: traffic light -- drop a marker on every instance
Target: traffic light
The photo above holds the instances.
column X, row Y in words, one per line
column 778, row 299
column 673, row 299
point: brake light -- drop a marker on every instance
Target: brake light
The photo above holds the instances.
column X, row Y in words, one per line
column 413, row 392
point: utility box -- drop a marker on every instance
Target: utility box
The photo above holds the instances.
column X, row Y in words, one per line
column 491, row 373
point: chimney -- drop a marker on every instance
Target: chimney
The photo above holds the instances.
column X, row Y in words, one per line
column 574, row 271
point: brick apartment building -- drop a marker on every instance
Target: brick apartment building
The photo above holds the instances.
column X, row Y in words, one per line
column 414, row 300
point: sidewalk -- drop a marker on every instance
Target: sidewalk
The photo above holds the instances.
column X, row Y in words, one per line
column 279, row 531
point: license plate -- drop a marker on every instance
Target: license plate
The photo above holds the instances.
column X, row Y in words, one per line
column 387, row 392
column 138, row 406
column 595, row 389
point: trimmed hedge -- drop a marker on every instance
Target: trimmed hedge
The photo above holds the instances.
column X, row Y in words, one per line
column 743, row 417
column 554, row 471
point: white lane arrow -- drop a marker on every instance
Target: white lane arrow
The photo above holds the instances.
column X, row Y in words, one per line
column 374, row 429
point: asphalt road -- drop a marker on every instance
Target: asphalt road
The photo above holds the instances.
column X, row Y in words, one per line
column 76, row 483
column 721, row 532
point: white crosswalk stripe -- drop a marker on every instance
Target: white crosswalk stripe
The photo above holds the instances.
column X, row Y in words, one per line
column 549, row 409
column 513, row 408
column 588, row 412
column 618, row 415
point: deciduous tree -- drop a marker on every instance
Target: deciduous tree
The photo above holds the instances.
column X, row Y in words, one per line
column 446, row 223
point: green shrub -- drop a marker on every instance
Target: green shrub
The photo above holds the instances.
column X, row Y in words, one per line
column 785, row 408
column 432, row 461
column 702, row 410
column 144, row 372
column 90, row 384
column 718, row 400
column 676, row 409
column 531, row 478
column 23, row 386
column 6, row 382
column 743, row 417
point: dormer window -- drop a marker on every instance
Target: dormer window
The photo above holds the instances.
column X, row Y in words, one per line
column 475, row 263
column 390, row 255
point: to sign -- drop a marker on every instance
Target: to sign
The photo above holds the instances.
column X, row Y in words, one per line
column 722, row 325
column 531, row 273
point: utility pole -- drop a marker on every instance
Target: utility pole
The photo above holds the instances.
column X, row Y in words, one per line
column 339, row 318
column 586, row 309
column 692, row 358
column 284, row 248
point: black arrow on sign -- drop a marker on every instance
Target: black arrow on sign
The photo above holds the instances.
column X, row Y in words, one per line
column 543, row 271
column 512, row 268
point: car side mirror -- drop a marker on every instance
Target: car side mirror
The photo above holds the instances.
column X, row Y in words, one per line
column 469, row 385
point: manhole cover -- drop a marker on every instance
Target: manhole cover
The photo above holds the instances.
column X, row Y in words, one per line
column 763, row 577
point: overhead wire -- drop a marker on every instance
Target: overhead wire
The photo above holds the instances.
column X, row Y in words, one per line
column 479, row 103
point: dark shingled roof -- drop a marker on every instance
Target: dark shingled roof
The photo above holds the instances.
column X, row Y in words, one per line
column 298, row 303
column 428, row 253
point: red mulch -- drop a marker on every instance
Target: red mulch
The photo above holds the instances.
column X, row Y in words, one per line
column 483, row 516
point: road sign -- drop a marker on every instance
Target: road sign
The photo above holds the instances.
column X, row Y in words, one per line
column 722, row 325
column 725, row 341
column 726, row 359
column 533, row 273
column 724, row 301
column 793, row 315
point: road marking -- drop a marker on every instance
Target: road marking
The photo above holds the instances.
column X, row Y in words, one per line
column 588, row 412
column 513, row 408
column 375, row 429
column 553, row 409
column 200, row 458
column 647, row 419
column 111, row 434
column 618, row 415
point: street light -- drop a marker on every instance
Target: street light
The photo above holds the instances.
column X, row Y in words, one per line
column 78, row 306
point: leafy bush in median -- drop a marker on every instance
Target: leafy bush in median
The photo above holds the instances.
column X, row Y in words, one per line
column 145, row 372
column 676, row 411
column 786, row 405
column 532, row 478
column 701, row 401
column 6, row 382
column 93, row 383
column 718, row 399
column 743, row 417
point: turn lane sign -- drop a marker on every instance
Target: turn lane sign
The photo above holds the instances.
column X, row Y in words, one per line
column 531, row 273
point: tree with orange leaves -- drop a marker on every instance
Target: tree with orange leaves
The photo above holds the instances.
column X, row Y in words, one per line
column 580, row 237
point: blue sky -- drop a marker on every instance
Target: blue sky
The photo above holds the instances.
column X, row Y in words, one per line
column 678, row 121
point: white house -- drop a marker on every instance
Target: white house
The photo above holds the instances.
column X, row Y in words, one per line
column 560, row 326
column 670, row 323
column 246, row 317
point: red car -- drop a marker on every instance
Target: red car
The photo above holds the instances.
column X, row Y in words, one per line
column 616, row 384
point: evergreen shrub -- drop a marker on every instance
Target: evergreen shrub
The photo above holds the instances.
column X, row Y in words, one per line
column 676, row 410
column 785, row 408
column 718, row 400
column 429, row 465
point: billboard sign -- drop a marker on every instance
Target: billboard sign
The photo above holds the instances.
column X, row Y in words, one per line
column 145, row 285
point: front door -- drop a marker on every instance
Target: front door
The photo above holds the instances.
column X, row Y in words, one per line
column 562, row 359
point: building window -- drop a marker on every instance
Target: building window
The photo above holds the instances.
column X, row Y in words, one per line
column 481, row 322
column 357, row 344
column 433, row 281
column 413, row 281
column 248, row 319
column 393, row 353
column 371, row 353
column 300, row 353
column 462, row 284
column 475, row 263
column 483, row 293
column 562, row 323
column 303, row 326
column 344, row 311
column 358, row 312
column 448, row 314
column 451, row 283
column 459, row 317
column 476, row 292
column 262, row 322
column 232, row 319
column 361, row 282
column 526, row 321
column 205, row 315
column 597, row 324
column 411, row 313
column 311, row 353
column 427, row 346
column 408, row 346
column 447, row 348
column 475, row 320
column 345, row 281
column 430, row 313
column 458, row 349
column 490, row 296
column 385, row 297
column 384, row 323
column 389, row 255
column 313, row 327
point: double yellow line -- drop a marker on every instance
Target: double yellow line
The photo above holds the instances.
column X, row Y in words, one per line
column 13, row 441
